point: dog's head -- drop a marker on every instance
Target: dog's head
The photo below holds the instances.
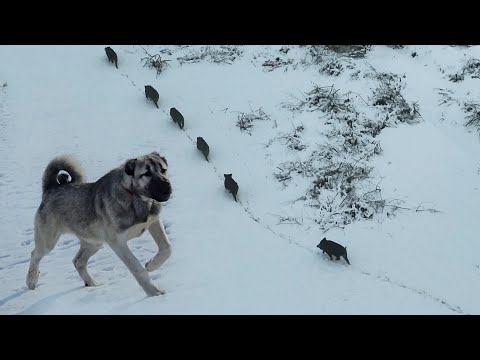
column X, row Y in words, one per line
column 322, row 244
column 227, row 176
column 148, row 176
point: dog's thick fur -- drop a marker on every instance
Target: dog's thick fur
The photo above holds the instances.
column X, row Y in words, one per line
column 112, row 56
column 118, row 207
column 203, row 147
column 332, row 248
column 177, row 117
column 151, row 93
column 231, row 185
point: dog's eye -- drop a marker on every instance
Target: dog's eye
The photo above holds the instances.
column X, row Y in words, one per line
column 163, row 171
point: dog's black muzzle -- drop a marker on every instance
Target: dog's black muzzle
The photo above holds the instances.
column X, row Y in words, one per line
column 161, row 189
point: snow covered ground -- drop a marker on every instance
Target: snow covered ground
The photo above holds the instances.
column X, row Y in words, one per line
column 418, row 254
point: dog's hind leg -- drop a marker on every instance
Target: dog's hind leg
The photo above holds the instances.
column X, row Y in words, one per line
column 119, row 246
column 87, row 250
column 157, row 230
column 45, row 241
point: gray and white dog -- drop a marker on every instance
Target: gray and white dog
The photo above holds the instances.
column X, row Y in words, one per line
column 116, row 208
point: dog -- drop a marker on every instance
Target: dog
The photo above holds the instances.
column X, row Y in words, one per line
column 332, row 248
column 203, row 147
column 116, row 208
column 231, row 185
column 152, row 94
column 177, row 117
column 112, row 56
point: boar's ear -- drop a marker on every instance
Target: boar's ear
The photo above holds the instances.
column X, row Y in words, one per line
column 324, row 238
column 130, row 167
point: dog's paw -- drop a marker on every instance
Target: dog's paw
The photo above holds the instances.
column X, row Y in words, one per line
column 32, row 280
column 92, row 282
column 154, row 290
column 149, row 266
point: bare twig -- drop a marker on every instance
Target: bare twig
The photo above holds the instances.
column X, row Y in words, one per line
column 431, row 210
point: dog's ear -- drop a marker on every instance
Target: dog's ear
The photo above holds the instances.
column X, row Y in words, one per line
column 155, row 153
column 130, row 167
column 164, row 160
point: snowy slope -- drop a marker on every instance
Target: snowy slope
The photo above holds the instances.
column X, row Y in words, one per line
column 237, row 258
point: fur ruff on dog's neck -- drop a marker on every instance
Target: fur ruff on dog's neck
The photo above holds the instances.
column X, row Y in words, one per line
column 130, row 194
column 127, row 185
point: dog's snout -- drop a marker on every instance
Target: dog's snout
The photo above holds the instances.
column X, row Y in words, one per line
column 161, row 189
column 166, row 190
column 166, row 186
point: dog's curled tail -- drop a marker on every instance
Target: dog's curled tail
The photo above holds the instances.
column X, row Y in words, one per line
column 65, row 163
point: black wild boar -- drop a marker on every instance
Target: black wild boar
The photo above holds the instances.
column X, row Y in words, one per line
column 112, row 56
column 231, row 185
column 332, row 248
column 152, row 94
column 177, row 117
column 203, row 147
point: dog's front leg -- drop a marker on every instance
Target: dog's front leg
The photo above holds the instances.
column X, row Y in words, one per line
column 157, row 230
column 119, row 246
